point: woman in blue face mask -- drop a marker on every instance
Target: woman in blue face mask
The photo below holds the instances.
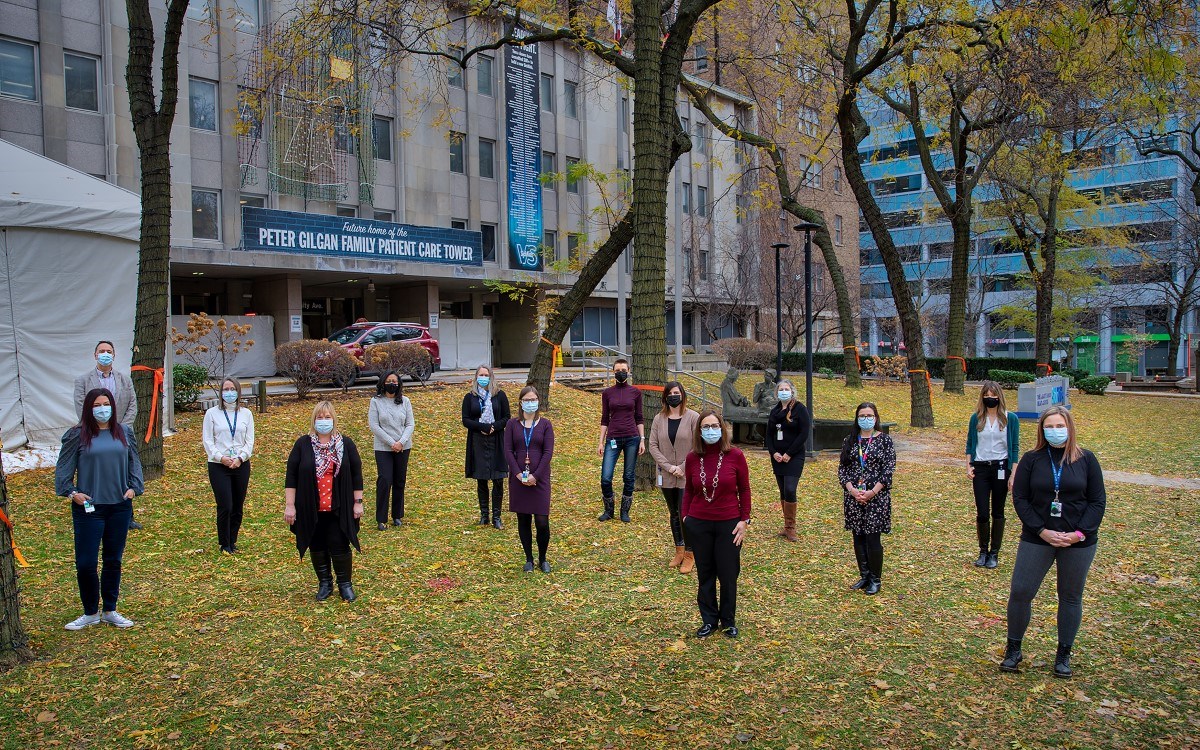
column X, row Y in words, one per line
column 787, row 437
column 528, row 450
column 716, row 514
column 100, row 473
column 228, row 437
column 323, row 500
column 1058, row 493
column 485, row 414
column 865, row 471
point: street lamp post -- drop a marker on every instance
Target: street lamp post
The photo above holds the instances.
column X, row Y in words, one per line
column 808, row 228
column 779, row 247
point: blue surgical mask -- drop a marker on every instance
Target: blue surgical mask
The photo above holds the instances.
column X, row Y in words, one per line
column 230, row 397
column 1056, row 436
column 529, row 407
column 710, row 435
column 105, row 358
column 323, row 426
column 484, row 381
column 785, row 395
column 102, row 413
column 866, row 423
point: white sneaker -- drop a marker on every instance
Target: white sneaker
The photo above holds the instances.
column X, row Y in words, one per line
column 83, row 621
column 116, row 619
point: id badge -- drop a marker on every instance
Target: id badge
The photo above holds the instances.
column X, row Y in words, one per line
column 612, row 443
column 88, row 507
column 779, row 432
column 660, row 479
column 1055, row 509
column 999, row 473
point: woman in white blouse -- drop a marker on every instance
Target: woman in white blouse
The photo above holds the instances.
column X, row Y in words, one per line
column 391, row 421
column 229, row 443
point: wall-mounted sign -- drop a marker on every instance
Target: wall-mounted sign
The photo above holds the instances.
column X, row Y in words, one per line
column 297, row 324
column 522, row 123
column 322, row 234
column 313, row 306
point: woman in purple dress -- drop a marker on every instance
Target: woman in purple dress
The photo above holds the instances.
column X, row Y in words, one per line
column 528, row 448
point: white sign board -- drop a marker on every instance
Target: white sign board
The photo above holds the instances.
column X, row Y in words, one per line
column 433, row 320
column 297, row 324
column 1038, row 396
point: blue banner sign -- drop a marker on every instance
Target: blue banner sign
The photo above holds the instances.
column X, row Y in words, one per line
column 322, row 234
column 522, row 119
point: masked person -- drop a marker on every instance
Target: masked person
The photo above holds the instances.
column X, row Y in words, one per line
column 485, row 414
column 671, row 440
column 390, row 417
column 103, row 375
column 622, row 433
column 228, row 437
column 787, row 440
column 993, row 443
column 865, row 469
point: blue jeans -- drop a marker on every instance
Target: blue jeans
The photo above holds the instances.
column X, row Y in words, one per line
column 107, row 525
column 629, row 447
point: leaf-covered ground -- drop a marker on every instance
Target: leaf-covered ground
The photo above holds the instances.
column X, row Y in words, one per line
column 451, row 645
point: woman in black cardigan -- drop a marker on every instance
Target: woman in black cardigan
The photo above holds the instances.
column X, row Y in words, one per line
column 787, row 438
column 1058, row 493
column 485, row 414
column 323, row 494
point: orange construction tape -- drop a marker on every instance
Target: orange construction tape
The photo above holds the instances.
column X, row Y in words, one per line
column 158, row 385
column 960, row 359
column 16, row 552
column 1049, row 369
column 554, row 357
column 857, row 359
column 650, row 388
column 928, row 380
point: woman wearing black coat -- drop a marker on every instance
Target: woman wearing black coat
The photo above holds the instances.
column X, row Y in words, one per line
column 485, row 414
column 787, row 438
column 323, row 500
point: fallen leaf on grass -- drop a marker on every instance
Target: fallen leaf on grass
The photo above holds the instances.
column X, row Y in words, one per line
column 46, row 717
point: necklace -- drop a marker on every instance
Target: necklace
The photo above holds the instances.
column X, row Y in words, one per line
column 716, row 478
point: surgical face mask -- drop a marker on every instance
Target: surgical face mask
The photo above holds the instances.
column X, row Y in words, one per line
column 484, row 381
column 674, row 399
column 391, row 387
column 105, row 358
column 710, row 435
column 866, row 423
column 529, row 407
column 622, row 376
column 230, row 397
column 102, row 413
column 785, row 395
column 1056, row 436
column 324, row 426
column 991, row 402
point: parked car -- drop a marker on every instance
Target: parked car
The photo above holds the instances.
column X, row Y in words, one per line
column 356, row 338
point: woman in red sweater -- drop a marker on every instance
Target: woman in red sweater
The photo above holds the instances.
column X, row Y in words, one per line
column 716, row 512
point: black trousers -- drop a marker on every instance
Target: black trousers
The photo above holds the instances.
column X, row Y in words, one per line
column 392, row 474
column 229, row 488
column 525, row 524
column 989, row 490
column 481, row 492
column 328, row 535
column 717, row 559
column 106, row 528
column 674, row 498
column 787, row 487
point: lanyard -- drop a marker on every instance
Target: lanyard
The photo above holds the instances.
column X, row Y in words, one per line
column 864, row 452
column 233, row 424
column 528, row 432
column 1057, row 470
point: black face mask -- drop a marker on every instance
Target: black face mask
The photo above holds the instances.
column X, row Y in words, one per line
column 991, row 403
column 674, row 399
column 391, row 387
column 622, row 376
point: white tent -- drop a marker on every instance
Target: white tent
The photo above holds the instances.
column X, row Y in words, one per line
column 68, row 278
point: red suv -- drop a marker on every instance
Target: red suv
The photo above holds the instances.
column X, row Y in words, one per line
column 356, row 337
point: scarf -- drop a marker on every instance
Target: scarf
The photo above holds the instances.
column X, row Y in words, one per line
column 326, row 454
column 485, row 396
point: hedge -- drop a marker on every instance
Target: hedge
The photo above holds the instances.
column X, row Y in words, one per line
column 977, row 367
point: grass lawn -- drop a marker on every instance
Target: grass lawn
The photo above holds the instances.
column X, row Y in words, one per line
column 451, row 645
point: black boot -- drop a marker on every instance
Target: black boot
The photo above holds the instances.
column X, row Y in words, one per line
column 320, row 563
column 607, row 515
column 864, row 573
column 874, row 570
column 343, row 564
column 981, row 531
column 626, row 504
column 1012, row 656
column 993, row 558
column 1062, row 662
column 496, row 522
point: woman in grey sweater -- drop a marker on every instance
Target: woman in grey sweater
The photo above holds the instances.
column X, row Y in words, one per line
column 391, row 421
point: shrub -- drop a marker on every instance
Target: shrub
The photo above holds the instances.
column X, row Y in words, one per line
column 188, row 383
column 826, row 372
column 412, row 360
column 745, row 354
column 211, row 344
column 1095, row 385
column 309, row 362
column 1010, row 379
column 888, row 367
column 1075, row 374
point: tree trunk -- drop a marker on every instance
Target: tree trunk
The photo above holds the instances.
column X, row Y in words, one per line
column 14, row 643
column 956, row 318
column 1044, row 317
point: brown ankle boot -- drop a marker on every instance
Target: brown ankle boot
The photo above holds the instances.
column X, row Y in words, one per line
column 688, row 564
column 675, row 561
column 789, row 522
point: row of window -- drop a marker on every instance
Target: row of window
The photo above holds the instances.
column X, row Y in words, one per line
column 485, row 84
column 19, row 75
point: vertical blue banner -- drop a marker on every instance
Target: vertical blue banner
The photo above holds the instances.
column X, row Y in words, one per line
column 524, row 137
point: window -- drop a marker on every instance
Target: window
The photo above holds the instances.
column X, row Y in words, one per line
column 404, row 333
column 701, row 200
column 18, row 75
column 702, row 138
column 807, row 73
column 685, row 204
column 252, row 201
column 575, row 246
column 202, row 97
column 489, row 242
column 247, row 15
column 458, row 162
column 810, row 121
column 454, row 71
column 549, row 167
column 384, row 215
column 572, row 180
column 347, row 212
column 381, row 135
column 550, row 243
column 624, row 114
column 343, row 134
column 703, row 264
column 810, row 173
column 547, row 93
column 458, row 224
column 206, row 222
column 81, row 75
column 571, row 99
column 837, row 229
column 485, row 74
column 907, row 183
column 199, row 10
column 700, row 53
column 250, row 124
column 380, row 335
column 596, row 324
column 837, row 180
column 487, row 159
column 779, row 109
column 689, row 272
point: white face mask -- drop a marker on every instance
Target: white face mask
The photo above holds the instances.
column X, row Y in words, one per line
column 323, row 426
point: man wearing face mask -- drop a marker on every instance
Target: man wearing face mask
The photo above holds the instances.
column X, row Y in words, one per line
column 622, row 432
column 103, row 375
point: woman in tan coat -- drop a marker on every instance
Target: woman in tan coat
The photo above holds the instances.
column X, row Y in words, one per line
column 671, row 439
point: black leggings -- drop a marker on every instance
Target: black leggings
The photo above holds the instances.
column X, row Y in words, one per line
column 989, row 488
column 328, row 535
column 674, row 498
column 787, row 487
column 481, row 491
column 525, row 522
column 871, row 543
column 1033, row 562
column 393, row 474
